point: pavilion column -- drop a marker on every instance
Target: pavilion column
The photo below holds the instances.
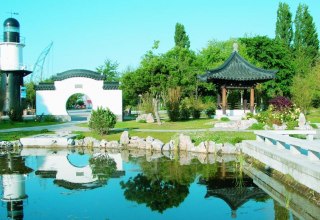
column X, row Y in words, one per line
column 224, row 100
column 252, row 99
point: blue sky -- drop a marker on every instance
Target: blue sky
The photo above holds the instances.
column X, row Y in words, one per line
column 86, row 32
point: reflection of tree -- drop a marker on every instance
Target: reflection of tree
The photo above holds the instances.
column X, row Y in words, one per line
column 280, row 212
column 158, row 194
column 102, row 167
column 168, row 170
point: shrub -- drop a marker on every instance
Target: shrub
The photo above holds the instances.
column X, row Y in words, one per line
column 15, row 114
column 184, row 111
column 210, row 110
column 281, row 103
column 257, row 126
column 142, row 121
column 174, row 95
column 195, row 106
column 291, row 125
column 49, row 118
column 102, row 120
column 224, row 119
column 146, row 104
column 314, row 126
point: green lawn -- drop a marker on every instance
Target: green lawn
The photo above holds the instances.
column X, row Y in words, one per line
column 16, row 135
column 197, row 137
column 9, row 124
column 314, row 115
column 202, row 123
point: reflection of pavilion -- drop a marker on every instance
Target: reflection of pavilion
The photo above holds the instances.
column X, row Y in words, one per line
column 72, row 171
column 12, row 173
column 234, row 191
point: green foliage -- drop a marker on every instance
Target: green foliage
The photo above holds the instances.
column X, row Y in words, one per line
column 103, row 167
column 181, row 38
column 225, row 119
column 291, row 125
column 73, row 100
column 173, row 102
column 109, row 69
column 31, row 94
column 80, row 136
column 272, row 116
column 272, row 54
column 257, row 126
column 15, row 114
column 49, row 118
column 146, row 104
column 305, row 37
column 284, row 30
column 102, row 120
column 158, row 195
column 184, row 111
column 142, row 121
column 314, row 126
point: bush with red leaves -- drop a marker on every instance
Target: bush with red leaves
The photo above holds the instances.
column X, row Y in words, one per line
column 281, row 103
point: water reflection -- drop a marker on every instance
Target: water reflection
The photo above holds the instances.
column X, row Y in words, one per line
column 13, row 171
column 154, row 181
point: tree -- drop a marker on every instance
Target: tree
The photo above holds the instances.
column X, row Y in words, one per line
column 305, row 88
column 284, row 30
column 305, row 40
column 109, row 69
column 31, row 94
column 158, row 195
column 181, row 38
column 272, row 54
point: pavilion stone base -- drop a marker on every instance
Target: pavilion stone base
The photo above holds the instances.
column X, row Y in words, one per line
column 235, row 114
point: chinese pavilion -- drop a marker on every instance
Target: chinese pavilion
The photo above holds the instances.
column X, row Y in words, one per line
column 236, row 73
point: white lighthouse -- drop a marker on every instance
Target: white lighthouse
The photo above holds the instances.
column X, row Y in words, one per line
column 12, row 69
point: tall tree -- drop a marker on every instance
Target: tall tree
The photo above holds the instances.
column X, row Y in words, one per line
column 110, row 70
column 305, row 42
column 284, row 30
column 181, row 38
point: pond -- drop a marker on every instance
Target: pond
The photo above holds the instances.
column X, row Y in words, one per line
column 74, row 184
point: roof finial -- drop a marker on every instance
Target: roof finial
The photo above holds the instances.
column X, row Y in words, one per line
column 235, row 47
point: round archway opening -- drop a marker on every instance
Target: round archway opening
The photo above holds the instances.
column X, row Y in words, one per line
column 79, row 107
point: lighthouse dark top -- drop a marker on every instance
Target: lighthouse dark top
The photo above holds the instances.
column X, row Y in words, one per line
column 11, row 30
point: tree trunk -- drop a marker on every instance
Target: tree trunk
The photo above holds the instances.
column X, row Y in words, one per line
column 155, row 109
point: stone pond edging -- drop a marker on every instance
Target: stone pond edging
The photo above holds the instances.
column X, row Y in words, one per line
column 183, row 143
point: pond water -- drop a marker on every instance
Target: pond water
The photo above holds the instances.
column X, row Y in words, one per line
column 65, row 184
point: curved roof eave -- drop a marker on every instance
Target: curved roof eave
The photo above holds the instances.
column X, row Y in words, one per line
column 78, row 73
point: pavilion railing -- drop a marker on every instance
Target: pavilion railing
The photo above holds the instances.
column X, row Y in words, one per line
column 237, row 106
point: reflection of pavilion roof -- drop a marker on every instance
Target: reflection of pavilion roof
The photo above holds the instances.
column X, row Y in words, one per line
column 237, row 69
column 229, row 191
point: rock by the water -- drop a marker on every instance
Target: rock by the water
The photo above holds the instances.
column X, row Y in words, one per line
column 185, row 142
column 103, row 143
column 168, row 146
column 71, row 142
column 124, row 138
column 113, row 144
column 157, row 145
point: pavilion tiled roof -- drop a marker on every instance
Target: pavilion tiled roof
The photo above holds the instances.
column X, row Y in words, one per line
column 237, row 68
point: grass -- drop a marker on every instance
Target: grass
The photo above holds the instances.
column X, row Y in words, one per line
column 115, row 135
column 10, row 124
column 197, row 137
column 222, row 136
column 16, row 135
column 314, row 115
column 202, row 123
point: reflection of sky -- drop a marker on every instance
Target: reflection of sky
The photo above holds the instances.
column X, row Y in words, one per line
column 48, row 201
column 79, row 160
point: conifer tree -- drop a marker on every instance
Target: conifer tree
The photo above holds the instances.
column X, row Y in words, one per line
column 181, row 38
column 305, row 40
column 284, row 30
